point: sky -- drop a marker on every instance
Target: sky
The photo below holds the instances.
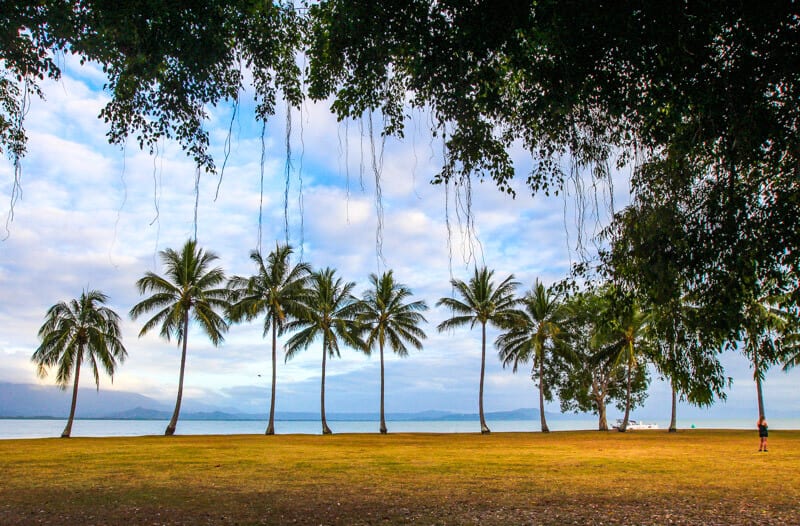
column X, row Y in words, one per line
column 94, row 216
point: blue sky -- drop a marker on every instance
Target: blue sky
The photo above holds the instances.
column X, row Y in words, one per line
column 94, row 216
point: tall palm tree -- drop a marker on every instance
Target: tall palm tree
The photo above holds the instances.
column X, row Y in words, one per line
column 189, row 290
column 81, row 330
column 385, row 316
column 329, row 311
column 536, row 331
column 770, row 336
column 274, row 291
column 623, row 331
column 482, row 303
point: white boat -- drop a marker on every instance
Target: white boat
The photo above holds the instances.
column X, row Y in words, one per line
column 634, row 424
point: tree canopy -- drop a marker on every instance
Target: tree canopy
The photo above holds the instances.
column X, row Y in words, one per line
column 165, row 62
column 700, row 97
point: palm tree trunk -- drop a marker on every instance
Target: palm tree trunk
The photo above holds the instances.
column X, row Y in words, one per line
column 757, row 376
column 271, row 426
column 383, row 417
column 760, row 397
column 673, row 426
column 325, row 429
column 484, row 428
column 543, row 422
column 68, row 429
column 624, row 426
column 174, row 420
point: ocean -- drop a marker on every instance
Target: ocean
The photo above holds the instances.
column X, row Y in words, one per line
column 44, row 428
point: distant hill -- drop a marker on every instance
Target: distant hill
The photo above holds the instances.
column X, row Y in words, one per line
column 29, row 400
column 48, row 401
column 35, row 401
column 140, row 413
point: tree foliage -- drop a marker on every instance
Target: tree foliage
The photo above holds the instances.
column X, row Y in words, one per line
column 276, row 292
column 536, row 336
column 328, row 311
column 482, row 303
column 190, row 290
column 770, row 337
column 592, row 377
column 701, row 97
column 623, row 338
column 386, row 316
column 84, row 329
column 166, row 63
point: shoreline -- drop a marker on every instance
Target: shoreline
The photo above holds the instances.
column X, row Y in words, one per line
column 29, row 428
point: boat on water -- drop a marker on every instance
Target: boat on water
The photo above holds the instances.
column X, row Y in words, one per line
column 634, row 424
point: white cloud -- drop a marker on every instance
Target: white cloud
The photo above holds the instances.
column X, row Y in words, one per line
column 96, row 215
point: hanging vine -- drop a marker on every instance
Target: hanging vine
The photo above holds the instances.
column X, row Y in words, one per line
column 300, row 205
column 226, row 148
column 122, row 204
column 261, row 185
column 287, row 170
column 17, row 148
column 377, row 171
column 196, row 199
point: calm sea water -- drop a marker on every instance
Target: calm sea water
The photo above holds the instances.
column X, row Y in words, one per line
column 31, row 428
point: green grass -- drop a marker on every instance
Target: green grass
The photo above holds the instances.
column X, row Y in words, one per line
column 650, row 477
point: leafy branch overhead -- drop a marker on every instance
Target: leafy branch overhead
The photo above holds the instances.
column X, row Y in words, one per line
column 165, row 62
column 702, row 98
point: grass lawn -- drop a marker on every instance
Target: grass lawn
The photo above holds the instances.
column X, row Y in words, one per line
column 586, row 477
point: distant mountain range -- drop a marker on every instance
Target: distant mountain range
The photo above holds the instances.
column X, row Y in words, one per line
column 47, row 401
column 35, row 401
column 140, row 413
column 31, row 401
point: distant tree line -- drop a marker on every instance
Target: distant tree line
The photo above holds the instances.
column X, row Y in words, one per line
column 590, row 346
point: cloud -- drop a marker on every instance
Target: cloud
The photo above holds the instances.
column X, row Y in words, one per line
column 97, row 215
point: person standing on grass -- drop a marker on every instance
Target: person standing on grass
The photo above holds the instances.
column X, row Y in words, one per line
column 763, row 433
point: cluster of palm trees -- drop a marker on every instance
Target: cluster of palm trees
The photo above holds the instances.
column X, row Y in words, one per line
column 542, row 327
column 313, row 305
column 291, row 298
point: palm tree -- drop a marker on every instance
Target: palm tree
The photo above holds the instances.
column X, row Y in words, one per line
column 385, row 316
column 274, row 291
column 81, row 330
column 329, row 311
column 536, row 331
column 482, row 303
column 792, row 347
column 770, row 336
column 622, row 333
column 189, row 290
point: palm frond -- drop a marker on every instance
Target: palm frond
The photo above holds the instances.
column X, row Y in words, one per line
column 456, row 306
column 83, row 329
column 456, row 322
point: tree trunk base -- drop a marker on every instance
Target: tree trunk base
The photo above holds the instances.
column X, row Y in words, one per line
column 326, row 430
column 169, row 431
column 384, row 430
column 673, row 430
column 270, row 431
column 64, row 435
column 485, row 430
column 622, row 429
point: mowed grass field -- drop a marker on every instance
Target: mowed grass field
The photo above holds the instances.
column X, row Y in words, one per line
column 639, row 477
